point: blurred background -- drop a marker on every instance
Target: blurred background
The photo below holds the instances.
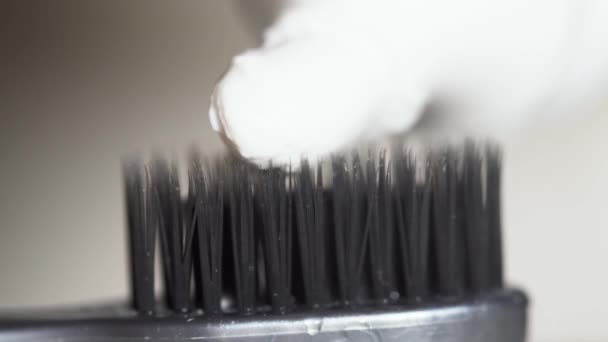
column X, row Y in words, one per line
column 84, row 83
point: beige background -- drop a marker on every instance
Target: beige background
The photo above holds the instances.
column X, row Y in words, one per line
column 82, row 83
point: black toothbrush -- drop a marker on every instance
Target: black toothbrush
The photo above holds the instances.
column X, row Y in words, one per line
column 404, row 250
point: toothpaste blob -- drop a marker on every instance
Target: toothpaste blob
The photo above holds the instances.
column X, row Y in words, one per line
column 315, row 109
column 335, row 72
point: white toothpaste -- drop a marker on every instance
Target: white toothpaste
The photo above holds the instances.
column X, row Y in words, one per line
column 334, row 72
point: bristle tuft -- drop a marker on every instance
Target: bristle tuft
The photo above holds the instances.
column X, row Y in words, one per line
column 380, row 229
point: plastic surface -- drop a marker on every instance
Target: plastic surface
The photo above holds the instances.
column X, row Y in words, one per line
column 500, row 317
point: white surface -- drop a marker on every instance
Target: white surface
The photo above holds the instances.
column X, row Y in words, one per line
column 556, row 199
column 86, row 85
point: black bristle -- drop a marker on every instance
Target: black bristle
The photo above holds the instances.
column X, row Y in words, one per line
column 243, row 236
column 412, row 211
column 476, row 232
column 142, row 226
column 380, row 227
column 350, row 234
column 447, row 227
column 277, row 232
column 176, row 232
column 207, row 194
column 481, row 198
column 311, row 230
column 378, row 231
column 493, row 209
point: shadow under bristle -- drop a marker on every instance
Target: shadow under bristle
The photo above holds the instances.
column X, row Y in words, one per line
column 377, row 232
